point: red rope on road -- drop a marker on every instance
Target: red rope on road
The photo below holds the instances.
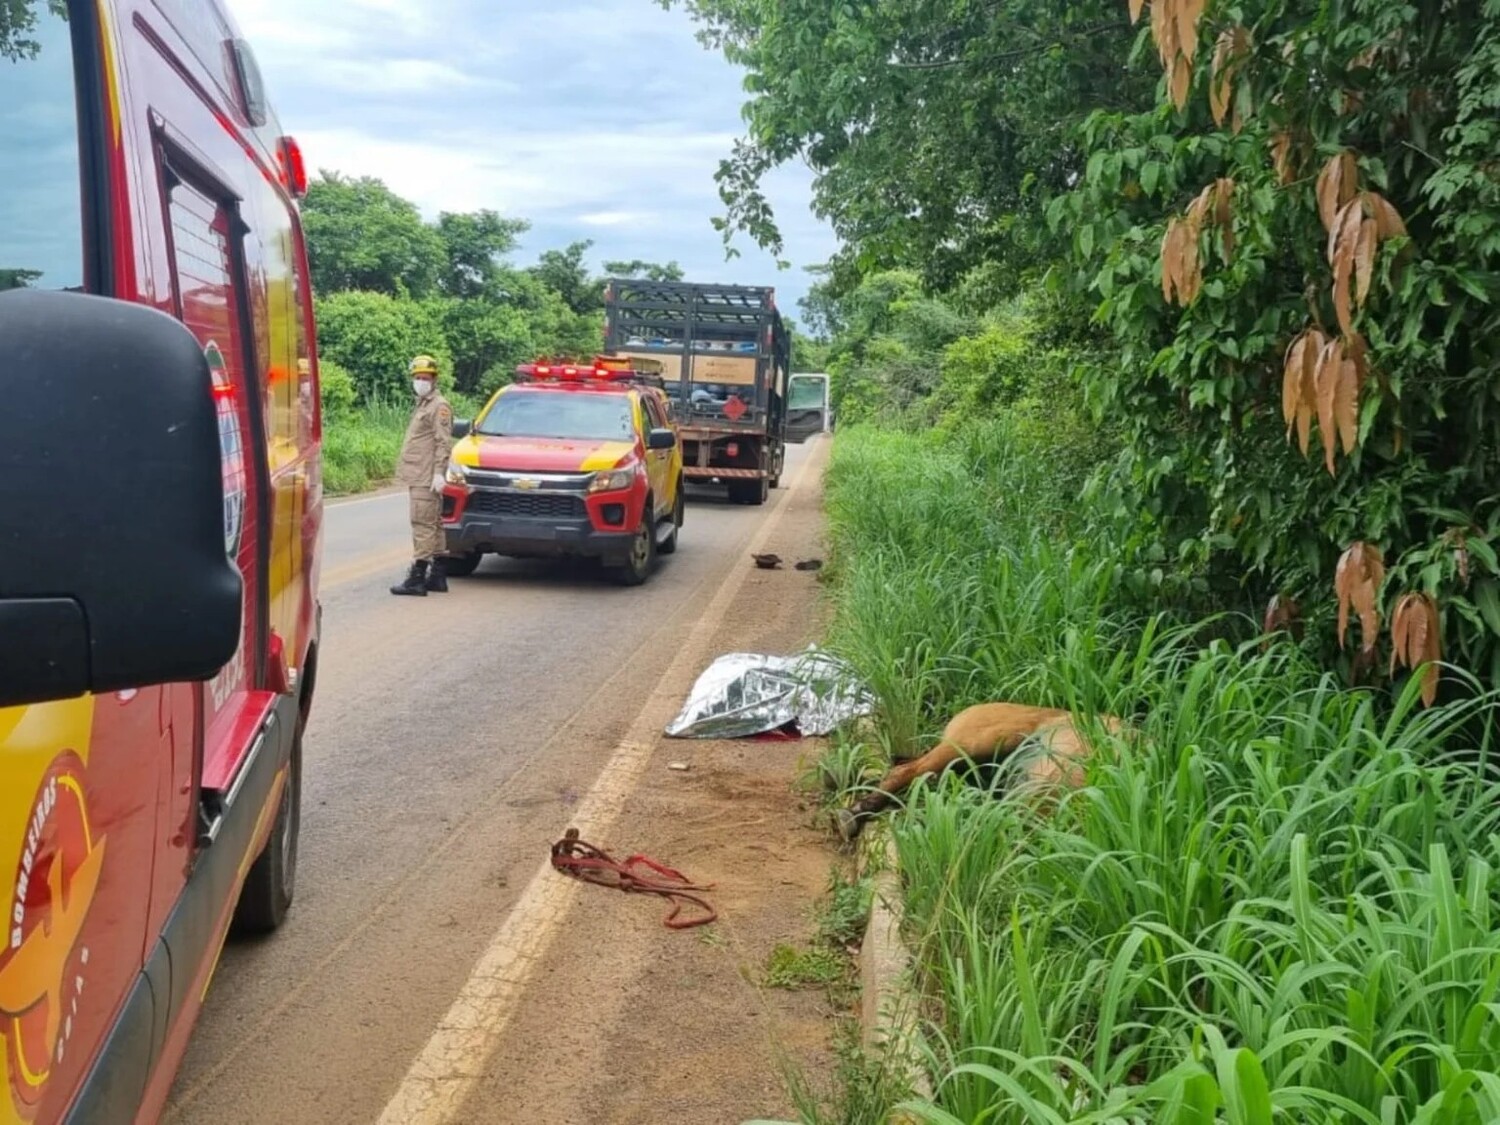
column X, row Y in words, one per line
column 582, row 860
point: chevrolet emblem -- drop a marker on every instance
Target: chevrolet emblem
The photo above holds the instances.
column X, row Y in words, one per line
column 526, row 483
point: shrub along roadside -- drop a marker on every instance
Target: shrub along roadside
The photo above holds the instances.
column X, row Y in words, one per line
column 1279, row 904
column 361, row 443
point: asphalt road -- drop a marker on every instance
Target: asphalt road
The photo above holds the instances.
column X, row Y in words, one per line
column 449, row 740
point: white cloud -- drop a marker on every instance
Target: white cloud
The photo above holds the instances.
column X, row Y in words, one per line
column 619, row 219
column 593, row 119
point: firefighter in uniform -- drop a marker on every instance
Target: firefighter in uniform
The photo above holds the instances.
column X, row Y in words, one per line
column 423, row 468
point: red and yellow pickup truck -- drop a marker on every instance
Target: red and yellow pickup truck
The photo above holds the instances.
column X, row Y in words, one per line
column 571, row 460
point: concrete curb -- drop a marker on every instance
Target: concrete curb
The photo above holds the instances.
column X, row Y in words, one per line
column 889, row 1001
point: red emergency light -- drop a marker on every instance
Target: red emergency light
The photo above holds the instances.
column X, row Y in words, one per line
column 293, row 167
column 576, row 372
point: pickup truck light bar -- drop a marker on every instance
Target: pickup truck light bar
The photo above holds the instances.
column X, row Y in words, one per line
column 602, row 369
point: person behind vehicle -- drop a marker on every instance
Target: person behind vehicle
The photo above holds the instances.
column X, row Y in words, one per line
column 423, row 469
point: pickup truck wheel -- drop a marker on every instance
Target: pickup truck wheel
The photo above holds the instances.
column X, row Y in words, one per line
column 461, row 566
column 669, row 545
column 269, row 887
column 642, row 557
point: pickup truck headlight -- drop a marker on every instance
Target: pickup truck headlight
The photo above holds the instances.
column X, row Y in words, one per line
column 457, row 474
column 613, row 480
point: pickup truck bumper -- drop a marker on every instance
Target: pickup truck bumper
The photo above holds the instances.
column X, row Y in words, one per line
column 540, row 524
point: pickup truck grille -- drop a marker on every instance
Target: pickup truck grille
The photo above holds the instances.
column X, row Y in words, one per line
column 528, row 505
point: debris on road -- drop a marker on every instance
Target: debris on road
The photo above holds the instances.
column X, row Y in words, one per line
column 581, row 860
column 810, row 564
column 742, row 695
column 680, row 767
column 767, row 562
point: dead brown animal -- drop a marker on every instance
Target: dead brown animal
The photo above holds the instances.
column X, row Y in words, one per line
column 1056, row 747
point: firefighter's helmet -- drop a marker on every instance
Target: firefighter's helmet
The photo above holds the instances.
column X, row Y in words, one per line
column 424, row 365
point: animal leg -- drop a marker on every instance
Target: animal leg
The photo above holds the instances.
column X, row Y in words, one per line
column 939, row 758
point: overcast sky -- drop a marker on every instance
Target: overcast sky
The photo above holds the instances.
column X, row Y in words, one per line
column 599, row 119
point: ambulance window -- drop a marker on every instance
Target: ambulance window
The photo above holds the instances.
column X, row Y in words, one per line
column 41, row 215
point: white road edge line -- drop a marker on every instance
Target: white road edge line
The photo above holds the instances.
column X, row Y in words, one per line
column 453, row 1060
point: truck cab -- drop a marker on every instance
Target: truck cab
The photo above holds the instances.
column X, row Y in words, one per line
column 160, row 537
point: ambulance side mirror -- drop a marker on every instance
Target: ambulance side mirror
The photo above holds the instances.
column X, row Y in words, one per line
column 113, row 568
column 461, row 427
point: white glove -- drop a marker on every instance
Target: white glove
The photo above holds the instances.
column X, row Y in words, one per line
column 438, row 482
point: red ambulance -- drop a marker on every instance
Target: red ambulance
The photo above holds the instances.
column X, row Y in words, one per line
column 160, row 533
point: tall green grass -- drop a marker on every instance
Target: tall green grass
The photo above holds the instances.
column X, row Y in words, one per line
column 360, row 445
column 1277, row 902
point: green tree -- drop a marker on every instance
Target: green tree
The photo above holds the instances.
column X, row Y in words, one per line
column 650, row 271
column 937, row 129
column 374, row 337
column 18, row 22
column 566, row 273
column 1298, row 254
column 18, row 279
column 475, row 246
column 363, row 236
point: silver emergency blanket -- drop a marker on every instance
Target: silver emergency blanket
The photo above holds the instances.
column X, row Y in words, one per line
column 743, row 694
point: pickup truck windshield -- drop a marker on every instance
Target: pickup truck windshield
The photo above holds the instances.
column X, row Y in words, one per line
column 41, row 216
column 594, row 417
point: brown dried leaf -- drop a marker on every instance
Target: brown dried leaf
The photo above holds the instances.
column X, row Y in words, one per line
column 1346, row 405
column 1189, row 12
column 1400, row 629
column 1169, row 258
column 1416, row 636
column 1281, row 157
column 1364, row 260
column 1136, row 7
column 1291, row 382
column 1348, row 573
column 1343, row 243
column 1365, row 600
column 1461, row 557
column 1308, row 397
column 1182, row 80
column 1388, row 223
column 1190, row 269
column 1357, row 581
column 1223, row 215
column 1229, row 56
column 1336, row 186
column 1164, row 30
column 1325, row 389
column 1282, row 612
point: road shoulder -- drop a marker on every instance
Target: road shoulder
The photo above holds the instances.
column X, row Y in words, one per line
column 626, row 1021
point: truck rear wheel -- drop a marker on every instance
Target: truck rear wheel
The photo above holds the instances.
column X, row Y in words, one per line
column 272, row 882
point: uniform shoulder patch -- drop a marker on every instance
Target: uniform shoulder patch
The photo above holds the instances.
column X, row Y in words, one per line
column 444, row 413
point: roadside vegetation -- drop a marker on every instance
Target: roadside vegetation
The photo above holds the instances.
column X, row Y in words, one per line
column 1164, row 344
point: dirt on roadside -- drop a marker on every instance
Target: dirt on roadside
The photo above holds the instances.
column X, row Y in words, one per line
column 627, row 1022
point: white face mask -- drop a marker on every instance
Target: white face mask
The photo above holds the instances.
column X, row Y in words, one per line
column 423, row 387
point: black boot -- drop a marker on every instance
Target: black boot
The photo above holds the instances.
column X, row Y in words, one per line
column 415, row 585
column 437, row 577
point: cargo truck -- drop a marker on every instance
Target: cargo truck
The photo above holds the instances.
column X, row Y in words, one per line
column 725, row 354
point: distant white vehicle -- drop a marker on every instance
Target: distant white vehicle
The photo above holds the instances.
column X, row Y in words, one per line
column 808, row 410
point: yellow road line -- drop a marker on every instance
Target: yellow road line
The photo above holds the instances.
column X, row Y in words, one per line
column 453, row 1060
column 363, row 568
